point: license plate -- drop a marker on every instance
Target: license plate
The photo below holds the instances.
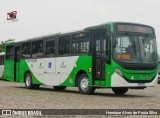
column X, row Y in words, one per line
column 141, row 84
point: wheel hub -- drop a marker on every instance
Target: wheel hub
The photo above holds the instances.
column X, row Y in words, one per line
column 28, row 81
column 84, row 83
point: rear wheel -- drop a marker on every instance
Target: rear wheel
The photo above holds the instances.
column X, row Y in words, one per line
column 28, row 82
column 59, row 87
column 120, row 90
column 83, row 85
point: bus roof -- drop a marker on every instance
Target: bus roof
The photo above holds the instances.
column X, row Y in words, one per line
column 74, row 31
column 50, row 35
column 59, row 33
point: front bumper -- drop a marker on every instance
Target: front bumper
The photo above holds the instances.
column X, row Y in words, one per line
column 118, row 81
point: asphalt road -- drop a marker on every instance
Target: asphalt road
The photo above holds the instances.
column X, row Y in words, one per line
column 16, row 96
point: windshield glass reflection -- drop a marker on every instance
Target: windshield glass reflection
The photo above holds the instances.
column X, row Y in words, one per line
column 135, row 49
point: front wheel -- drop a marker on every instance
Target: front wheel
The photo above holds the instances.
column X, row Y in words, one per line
column 83, row 85
column 120, row 90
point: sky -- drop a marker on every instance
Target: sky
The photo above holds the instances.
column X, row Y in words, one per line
column 41, row 17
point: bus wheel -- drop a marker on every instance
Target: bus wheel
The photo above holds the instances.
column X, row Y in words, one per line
column 83, row 85
column 59, row 87
column 28, row 82
column 119, row 90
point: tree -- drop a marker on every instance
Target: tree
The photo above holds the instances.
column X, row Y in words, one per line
column 2, row 45
column 9, row 40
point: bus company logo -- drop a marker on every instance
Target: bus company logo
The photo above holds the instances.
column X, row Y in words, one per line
column 6, row 112
column 33, row 60
column 49, row 65
column 63, row 65
column 40, row 65
column 132, row 78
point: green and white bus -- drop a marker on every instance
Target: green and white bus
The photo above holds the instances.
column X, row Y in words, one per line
column 114, row 55
column 1, row 64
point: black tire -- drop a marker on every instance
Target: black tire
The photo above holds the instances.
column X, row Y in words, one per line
column 59, row 87
column 85, row 89
column 120, row 90
column 28, row 82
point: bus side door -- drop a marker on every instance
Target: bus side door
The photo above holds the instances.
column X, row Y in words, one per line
column 17, row 63
column 98, row 55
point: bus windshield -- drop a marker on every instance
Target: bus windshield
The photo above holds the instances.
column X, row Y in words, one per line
column 135, row 49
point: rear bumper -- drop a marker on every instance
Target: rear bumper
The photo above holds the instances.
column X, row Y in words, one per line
column 118, row 81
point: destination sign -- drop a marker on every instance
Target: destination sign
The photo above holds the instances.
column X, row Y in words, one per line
column 134, row 28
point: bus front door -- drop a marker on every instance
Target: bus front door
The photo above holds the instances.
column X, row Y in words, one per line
column 98, row 58
column 16, row 63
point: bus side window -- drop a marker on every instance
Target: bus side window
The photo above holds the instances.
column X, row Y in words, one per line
column 75, row 48
column 80, row 43
column 1, row 63
column 50, row 48
column 64, row 45
column 26, row 50
column 61, row 46
column 37, row 49
column 10, row 52
column 84, row 46
column 67, row 45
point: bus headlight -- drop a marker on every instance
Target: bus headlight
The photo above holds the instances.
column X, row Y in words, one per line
column 119, row 72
